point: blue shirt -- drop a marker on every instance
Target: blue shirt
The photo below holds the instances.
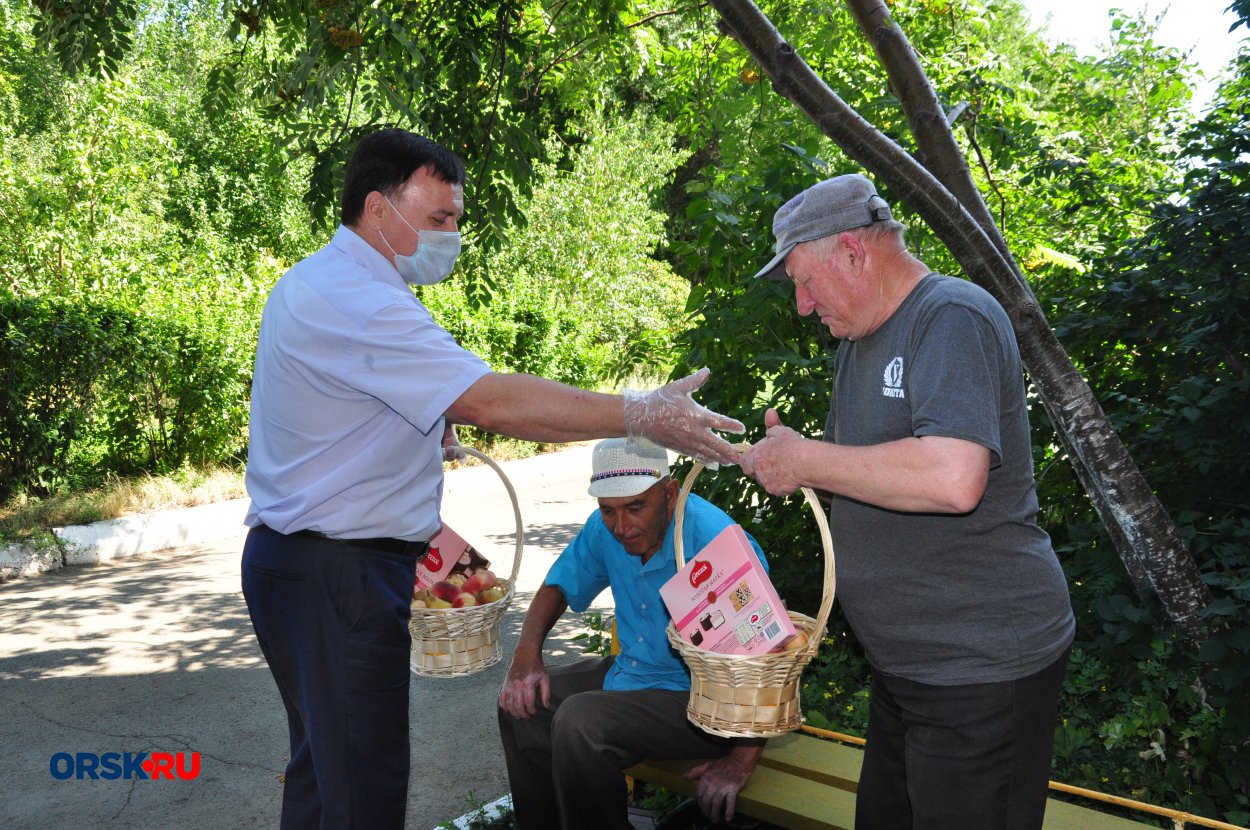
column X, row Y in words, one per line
column 594, row 560
column 352, row 379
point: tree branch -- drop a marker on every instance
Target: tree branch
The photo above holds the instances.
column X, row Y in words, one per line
column 971, row 132
column 654, row 15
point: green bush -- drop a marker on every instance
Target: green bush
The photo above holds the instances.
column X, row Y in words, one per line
column 575, row 294
column 182, row 401
column 92, row 390
column 53, row 356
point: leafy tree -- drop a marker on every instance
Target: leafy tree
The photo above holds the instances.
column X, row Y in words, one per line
column 1162, row 329
column 574, row 291
column 118, row 193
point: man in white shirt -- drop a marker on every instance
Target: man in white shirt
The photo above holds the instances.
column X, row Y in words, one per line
column 354, row 391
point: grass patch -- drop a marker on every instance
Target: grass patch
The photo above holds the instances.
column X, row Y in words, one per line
column 24, row 516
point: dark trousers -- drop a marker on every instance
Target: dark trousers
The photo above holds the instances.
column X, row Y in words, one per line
column 943, row 757
column 565, row 763
column 332, row 621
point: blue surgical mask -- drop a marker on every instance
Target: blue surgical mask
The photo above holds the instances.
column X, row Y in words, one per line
column 434, row 258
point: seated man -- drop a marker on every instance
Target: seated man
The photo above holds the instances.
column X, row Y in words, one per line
column 569, row 733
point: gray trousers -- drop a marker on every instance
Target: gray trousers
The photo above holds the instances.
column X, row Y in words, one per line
column 565, row 763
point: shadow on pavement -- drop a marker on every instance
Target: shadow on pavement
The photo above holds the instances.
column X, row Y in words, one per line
column 156, row 653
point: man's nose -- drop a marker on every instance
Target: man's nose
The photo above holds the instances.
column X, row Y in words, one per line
column 803, row 301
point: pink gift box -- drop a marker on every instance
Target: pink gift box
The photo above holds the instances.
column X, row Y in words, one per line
column 723, row 600
column 448, row 553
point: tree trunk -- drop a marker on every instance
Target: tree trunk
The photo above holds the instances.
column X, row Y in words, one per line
column 1144, row 534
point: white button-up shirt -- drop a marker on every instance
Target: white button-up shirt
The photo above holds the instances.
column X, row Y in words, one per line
column 352, row 379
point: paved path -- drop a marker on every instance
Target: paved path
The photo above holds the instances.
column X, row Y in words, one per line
column 156, row 654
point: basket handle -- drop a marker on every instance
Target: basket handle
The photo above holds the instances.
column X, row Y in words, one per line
column 830, row 583
column 516, row 508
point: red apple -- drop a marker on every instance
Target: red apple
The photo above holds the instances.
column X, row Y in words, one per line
column 479, row 582
column 464, row 601
column 445, row 590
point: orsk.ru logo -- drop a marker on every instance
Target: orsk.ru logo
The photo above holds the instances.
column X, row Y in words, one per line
column 894, row 379
column 112, row 766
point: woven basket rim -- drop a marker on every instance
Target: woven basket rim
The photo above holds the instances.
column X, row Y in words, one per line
column 683, row 646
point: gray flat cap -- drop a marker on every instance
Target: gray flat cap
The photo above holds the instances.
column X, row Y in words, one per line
column 832, row 206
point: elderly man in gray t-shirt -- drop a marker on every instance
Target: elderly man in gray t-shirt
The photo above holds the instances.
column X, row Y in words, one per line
column 943, row 573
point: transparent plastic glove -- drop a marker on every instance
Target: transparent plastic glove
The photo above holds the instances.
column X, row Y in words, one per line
column 670, row 417
column 452, row 450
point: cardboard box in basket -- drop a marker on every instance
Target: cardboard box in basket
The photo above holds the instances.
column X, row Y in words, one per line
column 449, row 553
column 723, row 600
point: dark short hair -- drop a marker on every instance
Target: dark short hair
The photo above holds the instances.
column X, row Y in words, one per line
column 384, row 160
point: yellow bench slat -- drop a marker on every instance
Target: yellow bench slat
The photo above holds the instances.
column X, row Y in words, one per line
column 771, row 795
column 1060, row 815
column 825, row 762
column 808, row 783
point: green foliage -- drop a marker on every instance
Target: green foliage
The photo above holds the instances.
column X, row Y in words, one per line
column 95, row 389
column 138, row 243
column 479, row 818
column 1150, row 730
column 52, row 355
column 597, row 638
column 181, row 401
column 1160, row 329
column 574, row 292
column 84, row 39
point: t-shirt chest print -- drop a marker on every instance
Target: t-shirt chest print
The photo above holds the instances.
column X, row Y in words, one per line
column 893, row 379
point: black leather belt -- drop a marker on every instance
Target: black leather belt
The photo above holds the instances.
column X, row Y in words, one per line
column 383, row 543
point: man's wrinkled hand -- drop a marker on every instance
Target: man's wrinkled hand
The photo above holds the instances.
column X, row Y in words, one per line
column 524, row 690
column 670, row 417
column 719, row 783
column 772, row 462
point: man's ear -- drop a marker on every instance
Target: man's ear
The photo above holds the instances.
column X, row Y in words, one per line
column 376, row 209
column 852, row 247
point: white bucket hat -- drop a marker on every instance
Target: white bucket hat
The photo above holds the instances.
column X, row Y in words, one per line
column 623, row 467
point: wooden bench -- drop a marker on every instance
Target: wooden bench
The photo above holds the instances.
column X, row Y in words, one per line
column 808, row 783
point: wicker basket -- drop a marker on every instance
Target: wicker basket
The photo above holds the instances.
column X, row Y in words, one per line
column 751, row 695
column 457, row 642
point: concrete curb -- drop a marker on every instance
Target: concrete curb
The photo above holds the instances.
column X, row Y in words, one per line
column 497, row 808
column 127, row 536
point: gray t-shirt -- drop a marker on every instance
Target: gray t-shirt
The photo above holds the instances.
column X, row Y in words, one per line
column 939, row 598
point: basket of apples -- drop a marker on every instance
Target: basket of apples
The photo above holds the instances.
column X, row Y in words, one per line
column 455, row 620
